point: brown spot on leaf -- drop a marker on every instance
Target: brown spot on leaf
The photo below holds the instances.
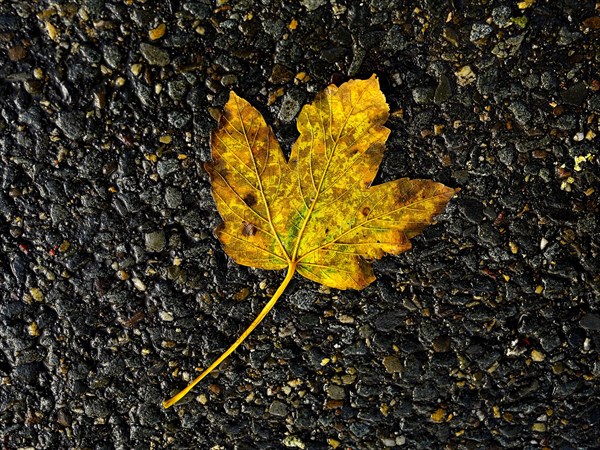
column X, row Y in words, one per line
column 365, row 211
column 248, row 229
column 250, row 200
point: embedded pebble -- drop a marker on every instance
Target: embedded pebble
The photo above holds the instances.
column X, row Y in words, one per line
column 590, row 321
column 155, row 241
column 155, row 55
column 392, row 364
column 335, row 392
column 278, row 409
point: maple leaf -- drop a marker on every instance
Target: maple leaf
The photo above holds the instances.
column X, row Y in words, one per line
column 316, row 214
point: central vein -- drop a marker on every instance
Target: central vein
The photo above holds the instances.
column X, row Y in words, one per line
column 307, row 218
column 312, row 205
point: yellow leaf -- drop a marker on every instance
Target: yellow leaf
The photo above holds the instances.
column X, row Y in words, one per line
column 317, row 214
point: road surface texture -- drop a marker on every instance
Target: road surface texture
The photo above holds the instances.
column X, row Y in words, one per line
column 114, row 290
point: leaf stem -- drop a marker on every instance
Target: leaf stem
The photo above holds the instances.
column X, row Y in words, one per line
column 242, row 338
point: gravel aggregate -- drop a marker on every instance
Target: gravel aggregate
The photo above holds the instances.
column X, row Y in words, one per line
column 114, row 290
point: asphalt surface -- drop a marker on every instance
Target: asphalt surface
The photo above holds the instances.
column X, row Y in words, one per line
column 485, row 335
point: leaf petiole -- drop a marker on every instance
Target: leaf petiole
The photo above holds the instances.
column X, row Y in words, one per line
column 242, row 338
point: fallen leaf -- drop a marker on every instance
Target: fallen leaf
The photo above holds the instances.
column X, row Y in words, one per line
column 317, row 214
